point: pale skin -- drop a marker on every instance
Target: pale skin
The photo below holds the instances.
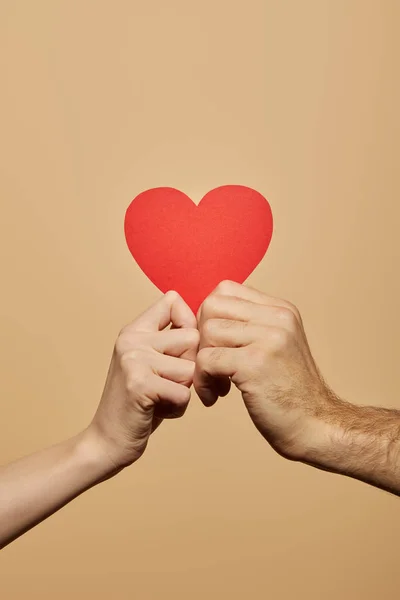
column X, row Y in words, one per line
column 149, row 378
column 241, row 337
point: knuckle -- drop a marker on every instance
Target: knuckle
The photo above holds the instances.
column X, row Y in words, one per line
column 224, row 287
column 188, row 373
column 204, row 357
column 126, row 340
column 193, row 336
column 136, row 379
column 295, row 311
column 131, row 358
column 209, row 306
column 120, row 344
column 209, row 328
column 122, row 331
column 286, row 316
column 184, row 397
column 171, row 296
column 278, row 339
column 215, row 354
column 184, row 374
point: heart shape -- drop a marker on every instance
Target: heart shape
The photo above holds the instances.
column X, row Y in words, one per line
column 189, row 248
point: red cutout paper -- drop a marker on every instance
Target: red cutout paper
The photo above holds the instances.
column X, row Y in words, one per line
column 189, row 248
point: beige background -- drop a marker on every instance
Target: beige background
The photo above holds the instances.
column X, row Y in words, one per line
column 100, row 100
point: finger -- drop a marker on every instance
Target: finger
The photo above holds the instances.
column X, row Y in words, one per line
column 181, row 315
column 221, row 386
column 171, row 308
column 171, row 398
column 175, row 369
column 232, row 308
column 230, row 334
column 212, row 364
column 231, row 288
column 237, row 309
column 177, row 342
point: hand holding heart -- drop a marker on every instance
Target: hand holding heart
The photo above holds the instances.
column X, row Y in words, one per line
column 149, row 378
column 240, row 336
column 258, row 343
column 247, row 338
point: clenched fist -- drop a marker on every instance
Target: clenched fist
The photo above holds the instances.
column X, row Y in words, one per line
column 258, row 343
column 149, row 379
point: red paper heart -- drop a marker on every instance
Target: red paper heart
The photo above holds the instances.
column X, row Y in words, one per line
column 189, row 248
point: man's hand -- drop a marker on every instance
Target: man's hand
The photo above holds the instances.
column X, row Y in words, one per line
column 259, row 344
column 149, row 379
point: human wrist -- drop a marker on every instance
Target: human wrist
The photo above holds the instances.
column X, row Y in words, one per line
column 323, row 434
column 93, row 457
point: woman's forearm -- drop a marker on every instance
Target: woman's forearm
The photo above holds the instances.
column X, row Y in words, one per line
column 34, row 487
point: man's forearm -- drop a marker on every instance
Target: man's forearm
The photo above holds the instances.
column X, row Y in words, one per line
column 34, row 487
column 357, row 441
